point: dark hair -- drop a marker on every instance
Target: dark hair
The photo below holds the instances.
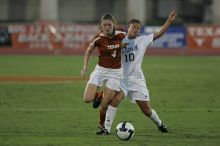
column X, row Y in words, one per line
column 108, row 16
column 132, row 21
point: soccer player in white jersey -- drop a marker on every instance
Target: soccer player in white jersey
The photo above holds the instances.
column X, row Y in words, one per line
column 133, row 82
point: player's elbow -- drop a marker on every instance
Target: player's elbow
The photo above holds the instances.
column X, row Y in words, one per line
column 157, row 35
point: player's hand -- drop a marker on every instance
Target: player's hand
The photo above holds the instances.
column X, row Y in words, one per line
column 172, row 16
column 83, row 73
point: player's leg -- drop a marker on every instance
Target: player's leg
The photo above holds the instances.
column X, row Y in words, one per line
column 102, row 115
column 146, row 109
column 112, row 85
column 112, row 108
column 107, row 97
column 90, row 92
column 144, row 104
column 96, row 80
column 110, row 114
column 97, row 99
column 151, row 113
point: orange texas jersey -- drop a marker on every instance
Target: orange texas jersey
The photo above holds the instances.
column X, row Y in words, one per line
column 109, row 49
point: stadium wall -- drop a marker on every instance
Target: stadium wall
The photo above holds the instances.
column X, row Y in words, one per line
column 71, row 39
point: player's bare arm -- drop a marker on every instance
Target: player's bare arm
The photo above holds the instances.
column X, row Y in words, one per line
column 164, row 28
column 88, row 53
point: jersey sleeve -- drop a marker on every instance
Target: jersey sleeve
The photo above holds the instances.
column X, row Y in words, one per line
column 147, row 40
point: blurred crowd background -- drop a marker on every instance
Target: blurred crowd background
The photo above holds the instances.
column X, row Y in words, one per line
column 90, row 11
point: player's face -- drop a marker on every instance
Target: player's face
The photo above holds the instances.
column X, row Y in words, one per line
column 107, row 27
column 134, row 30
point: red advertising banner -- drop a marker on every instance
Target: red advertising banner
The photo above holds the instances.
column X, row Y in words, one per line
column 52, row 37
column 204, row 37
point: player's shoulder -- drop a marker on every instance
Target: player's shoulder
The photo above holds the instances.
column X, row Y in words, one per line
column 145, row 37
column 120, row 32
column 96, row 37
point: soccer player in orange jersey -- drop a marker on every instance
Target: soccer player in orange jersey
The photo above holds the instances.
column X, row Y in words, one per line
column 107, row 72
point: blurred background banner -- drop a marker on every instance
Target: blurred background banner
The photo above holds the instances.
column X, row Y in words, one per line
column 203, row 37
column 67, row 38
column 50, row 37
column 175, row 37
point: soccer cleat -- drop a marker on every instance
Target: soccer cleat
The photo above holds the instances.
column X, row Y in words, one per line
column 97, row 100
column 163, row 128
column 103, row 132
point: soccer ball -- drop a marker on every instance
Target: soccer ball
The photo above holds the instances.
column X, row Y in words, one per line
column 125, row 131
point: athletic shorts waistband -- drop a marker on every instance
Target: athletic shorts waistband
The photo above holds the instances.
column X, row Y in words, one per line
column 108, row 69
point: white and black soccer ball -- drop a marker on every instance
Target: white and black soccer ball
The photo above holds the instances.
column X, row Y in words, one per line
column 125, row 131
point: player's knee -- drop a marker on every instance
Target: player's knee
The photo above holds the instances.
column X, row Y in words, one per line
column 115, row 102
column 87, row 99
column 117, row 99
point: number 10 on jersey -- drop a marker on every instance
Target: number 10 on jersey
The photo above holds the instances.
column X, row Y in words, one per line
column 129, row 57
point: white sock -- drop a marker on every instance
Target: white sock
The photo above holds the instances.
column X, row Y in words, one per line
column 155, row 118
column 110, row 116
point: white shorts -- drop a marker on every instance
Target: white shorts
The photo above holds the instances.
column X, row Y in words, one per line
column 135, row 95
column 109, row 78
column 135, row 90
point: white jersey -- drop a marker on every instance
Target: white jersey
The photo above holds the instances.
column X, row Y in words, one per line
column 132, row 56
column 131, row 60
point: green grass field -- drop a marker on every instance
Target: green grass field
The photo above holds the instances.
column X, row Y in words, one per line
column 184, row 91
